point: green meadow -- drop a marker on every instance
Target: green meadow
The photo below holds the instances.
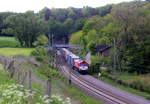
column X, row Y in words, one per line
column 15, row 51
column 8, row 42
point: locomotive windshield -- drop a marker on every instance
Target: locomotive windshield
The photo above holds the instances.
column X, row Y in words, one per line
column 83, row 64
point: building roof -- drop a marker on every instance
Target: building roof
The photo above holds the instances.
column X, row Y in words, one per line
column 102, row 48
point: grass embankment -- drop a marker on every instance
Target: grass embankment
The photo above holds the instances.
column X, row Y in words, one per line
column 61, row 84
column 8, row 42
column 15, row 51
column 77, row 94
column 130, row 83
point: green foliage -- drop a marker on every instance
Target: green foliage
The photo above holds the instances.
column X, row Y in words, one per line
column 4, row 79
column 49, row 73
column 91, row 35
column 126, row 88
column 26, row 27
column 8, row 31
column 139, row 82
column 97, row 59
column 91, row 47
column 95, row 65
column 39, row 53
column 41, row 40
column 76, row 38
column 17, row 94
column 8, row 42
column 77, row 93
column 104, row 71
column 126, row 23
column 13, row 94
column 126, row 28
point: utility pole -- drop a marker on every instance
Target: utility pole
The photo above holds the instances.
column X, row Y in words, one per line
column 70, row 77
column 114, row 57
column 48, row 89
column 49, row 40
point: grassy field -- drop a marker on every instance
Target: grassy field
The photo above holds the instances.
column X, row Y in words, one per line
column 8, row 42
column 15, row 51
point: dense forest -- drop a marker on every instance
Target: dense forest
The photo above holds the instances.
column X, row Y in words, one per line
column 125, row 27
column 127, row 30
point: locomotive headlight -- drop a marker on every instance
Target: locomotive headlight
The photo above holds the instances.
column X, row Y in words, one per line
column 83, row 67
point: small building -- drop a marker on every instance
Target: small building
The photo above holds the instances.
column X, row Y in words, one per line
column 102, row 50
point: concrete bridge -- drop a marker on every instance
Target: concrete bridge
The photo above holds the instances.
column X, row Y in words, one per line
column 66, row 46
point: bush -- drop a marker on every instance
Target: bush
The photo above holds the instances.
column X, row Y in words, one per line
column 104, row 71
column 41, row 40
column 49, row 72
column 39, row 58
column 39, row 53
column 95, row 64
column 94, row 68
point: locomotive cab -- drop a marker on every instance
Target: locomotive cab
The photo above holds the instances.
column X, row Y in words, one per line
column 81, row 66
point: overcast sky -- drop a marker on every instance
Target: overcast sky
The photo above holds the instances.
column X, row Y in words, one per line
column 36, row 5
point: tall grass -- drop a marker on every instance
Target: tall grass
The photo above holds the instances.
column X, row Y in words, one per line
column 4, row 79
column 8, row 42
column 136, row 84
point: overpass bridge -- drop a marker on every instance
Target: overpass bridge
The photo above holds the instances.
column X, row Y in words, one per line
column 65, row 46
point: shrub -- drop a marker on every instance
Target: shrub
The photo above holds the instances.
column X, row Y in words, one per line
column 41, row 40
column 104, row 71
column 95, row 64
column 39, row 53
column 49, row 72
column 94, row 68
column 39, row 58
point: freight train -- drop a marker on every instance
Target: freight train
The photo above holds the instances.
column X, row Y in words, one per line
column 74, row 61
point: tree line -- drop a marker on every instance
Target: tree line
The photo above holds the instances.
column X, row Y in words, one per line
column 60, row 23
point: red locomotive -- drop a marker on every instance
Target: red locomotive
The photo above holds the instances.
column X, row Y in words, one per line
column 74, row 61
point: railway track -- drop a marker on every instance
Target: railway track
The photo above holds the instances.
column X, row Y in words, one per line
column 95, row 91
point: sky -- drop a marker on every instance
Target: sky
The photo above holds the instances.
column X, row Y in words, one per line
column 36, row 5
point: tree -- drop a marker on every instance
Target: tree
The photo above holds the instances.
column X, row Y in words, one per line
column 92, row 47
column 42, row 40
column 76, row 38
column 47, row 14
column 3, row 16
column 26, row 26
column 133, row 38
